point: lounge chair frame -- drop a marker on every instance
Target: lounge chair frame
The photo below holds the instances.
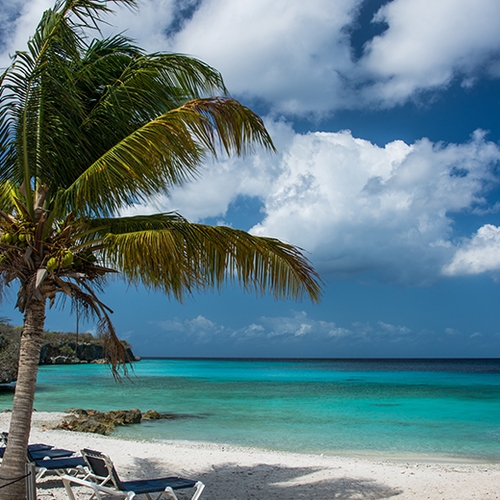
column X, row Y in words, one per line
column 64, row 467
column 47, row 458
column 99, row 490
column 103, row 474
column 61, row 466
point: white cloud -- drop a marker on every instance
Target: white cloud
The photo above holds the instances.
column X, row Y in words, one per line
column 359, row 207
column 146, row 24
column 222, row 181
column 291, row 54
column 19, row 19
column 477, row 255
column 199, row 329
column 297, row 327
column 427, row 44
column 297, row 56
column 355, row 206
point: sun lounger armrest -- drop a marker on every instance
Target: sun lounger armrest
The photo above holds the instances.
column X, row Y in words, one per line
column 199, row 489
column 96, row 488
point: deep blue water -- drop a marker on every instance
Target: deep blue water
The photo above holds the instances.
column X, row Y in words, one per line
column 382, row 407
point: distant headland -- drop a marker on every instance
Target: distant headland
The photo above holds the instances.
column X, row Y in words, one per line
column 57, row 348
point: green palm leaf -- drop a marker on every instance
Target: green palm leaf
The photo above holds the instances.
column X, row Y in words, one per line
column 168, row 253
column 164, row 152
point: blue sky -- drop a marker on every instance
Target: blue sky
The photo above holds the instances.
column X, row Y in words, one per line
column 386, row 120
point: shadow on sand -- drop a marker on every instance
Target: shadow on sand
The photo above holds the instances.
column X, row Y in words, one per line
column 262, row 482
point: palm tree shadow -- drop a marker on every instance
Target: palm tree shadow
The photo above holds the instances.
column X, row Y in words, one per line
column 232, row 481
column 258, row 482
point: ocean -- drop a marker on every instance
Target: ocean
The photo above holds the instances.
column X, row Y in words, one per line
column 385, row 408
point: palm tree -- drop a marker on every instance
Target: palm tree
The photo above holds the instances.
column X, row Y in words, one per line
column 88, row 127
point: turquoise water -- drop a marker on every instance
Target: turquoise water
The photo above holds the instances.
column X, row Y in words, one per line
column 377, row 407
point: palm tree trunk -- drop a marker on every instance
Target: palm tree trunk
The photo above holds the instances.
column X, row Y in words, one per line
column 14, row 462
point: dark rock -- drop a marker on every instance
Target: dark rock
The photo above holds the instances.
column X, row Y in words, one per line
column 152, row 415
column 64, row 360
column 125, row 417
column 90, row 352
column 99, row 422
column 70, row 352
column 87, row 425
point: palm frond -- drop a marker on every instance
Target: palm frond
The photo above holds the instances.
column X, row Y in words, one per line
column 9, row 196
column 88, row 13
column 168, row 253
column 37, row 92
column 149, row 84
column 165, row 152
column 7, row 143
column 89, row 127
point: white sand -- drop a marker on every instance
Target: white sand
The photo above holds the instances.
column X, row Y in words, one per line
column 252, row 474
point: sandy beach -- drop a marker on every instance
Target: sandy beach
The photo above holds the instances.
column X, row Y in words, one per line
column 231, row 473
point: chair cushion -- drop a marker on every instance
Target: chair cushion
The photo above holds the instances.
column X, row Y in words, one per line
column 156, row 485
column 51, row 453
column 60, row 463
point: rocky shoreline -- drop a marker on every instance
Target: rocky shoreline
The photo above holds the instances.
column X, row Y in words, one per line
column 57, row 348
column 97, row 422
column 64, row 353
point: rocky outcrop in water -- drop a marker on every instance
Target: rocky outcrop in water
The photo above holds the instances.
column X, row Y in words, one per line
column 99, row 422
column 104, row 422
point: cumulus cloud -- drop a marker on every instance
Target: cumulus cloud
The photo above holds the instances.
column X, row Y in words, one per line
column 358, row 207
column 221, row 182
column 427, row 44
column 298, row 56
column 478, row 255
column 355, row 206
column 291, row 54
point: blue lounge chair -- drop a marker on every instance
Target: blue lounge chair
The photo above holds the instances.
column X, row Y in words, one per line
column 60, row 466
column 49, row 459
column 104, row 480
column 36, row 447
column 48, row 453
column 38, row 450
column 52, row 453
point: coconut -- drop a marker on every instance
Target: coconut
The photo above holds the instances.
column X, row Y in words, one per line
column 51, row 264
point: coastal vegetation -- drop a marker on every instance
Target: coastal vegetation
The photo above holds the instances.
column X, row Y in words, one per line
column 89, row 127
column 10, row 337
column 57, row 348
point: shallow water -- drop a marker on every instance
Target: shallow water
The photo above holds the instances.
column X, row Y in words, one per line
column 387, row 407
